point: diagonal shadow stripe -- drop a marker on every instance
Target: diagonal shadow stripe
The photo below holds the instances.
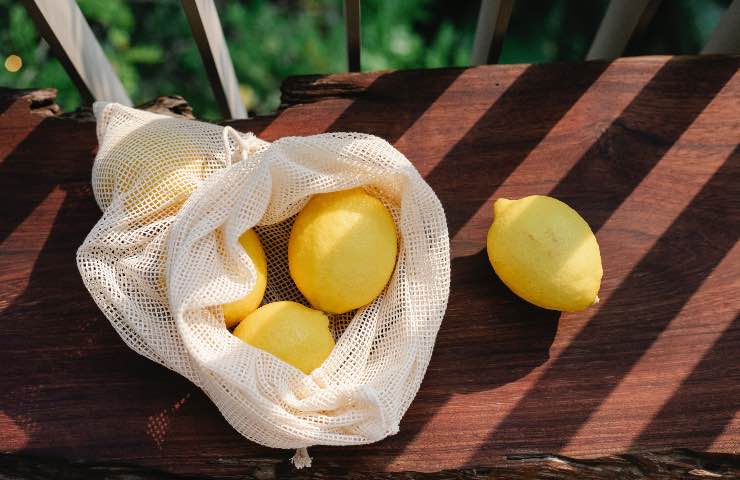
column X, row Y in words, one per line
column 592, row 180
column 714, row 380
column 505, row 135
column 73, row 384
column 47, row 157
column 655, row 291
column 512, row 118
column 16, row 168
column 390, row 105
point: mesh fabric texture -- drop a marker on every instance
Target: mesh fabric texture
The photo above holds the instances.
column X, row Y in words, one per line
column 176, row 195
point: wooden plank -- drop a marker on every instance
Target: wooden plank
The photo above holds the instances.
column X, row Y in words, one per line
column 209, row 36
column 352, row 29
column 623, row 21
column 675, row 464
column 726, row 36
column 62, row 25
column 645, row 148
column 493, row 21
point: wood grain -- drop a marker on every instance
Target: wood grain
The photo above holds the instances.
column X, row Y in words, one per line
column 646, row 149
column 673, row 464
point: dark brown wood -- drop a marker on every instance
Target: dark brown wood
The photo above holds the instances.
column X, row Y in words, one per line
column 656, row 466
column 646, row 149
column 311, row 88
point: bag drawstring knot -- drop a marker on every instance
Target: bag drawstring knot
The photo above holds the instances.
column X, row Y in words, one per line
column 301, row 458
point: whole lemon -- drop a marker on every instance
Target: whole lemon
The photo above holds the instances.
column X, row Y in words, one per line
column 235, row 311
column 294, row 333
column 545, row 253
column 154, row 165
column 342, row 250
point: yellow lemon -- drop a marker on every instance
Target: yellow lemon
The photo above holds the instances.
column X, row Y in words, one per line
column 155, row 165
column 545, row 253
column 294, row 333
column 342, row 250
column 235, row 311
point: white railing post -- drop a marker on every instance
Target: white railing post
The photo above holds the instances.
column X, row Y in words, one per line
column 62, row 25
column 623, row 20
column 493, row 21
column 209, row 36
column 353, row 35
column 726, row 36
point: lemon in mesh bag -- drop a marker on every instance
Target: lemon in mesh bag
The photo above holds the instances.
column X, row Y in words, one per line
column 213, row 184
column 292, row 332
column 234, row 312
column 153, row 165
column 342, row 250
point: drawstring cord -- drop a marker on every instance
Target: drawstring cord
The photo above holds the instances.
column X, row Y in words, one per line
column 301, row 458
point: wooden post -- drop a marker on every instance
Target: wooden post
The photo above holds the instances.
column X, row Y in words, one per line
column 726, row 37
column 352, row 29
column 493, row 21
column 62, row 25
column 209, row 36
column 623, row 20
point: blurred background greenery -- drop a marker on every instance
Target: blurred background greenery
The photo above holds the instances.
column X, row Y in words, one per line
column 150, row 46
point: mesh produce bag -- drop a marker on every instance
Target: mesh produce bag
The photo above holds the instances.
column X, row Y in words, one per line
column 177, row 194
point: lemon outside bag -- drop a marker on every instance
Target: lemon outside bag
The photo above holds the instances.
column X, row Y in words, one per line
column 176, row 194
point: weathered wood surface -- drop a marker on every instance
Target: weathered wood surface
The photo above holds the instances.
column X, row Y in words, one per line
column 38, row 101
column 674, row 464
column 646, row 149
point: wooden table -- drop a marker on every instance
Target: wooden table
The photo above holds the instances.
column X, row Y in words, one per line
column 646, row 149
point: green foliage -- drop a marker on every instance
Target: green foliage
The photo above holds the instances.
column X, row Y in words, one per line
column 150, row 46
column 19, row 36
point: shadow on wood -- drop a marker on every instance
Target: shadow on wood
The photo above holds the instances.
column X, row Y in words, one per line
column 506, row 379
column 697, row 389
column 659, row 286
column 370, row 112
column 488, row 339
column 503, row 137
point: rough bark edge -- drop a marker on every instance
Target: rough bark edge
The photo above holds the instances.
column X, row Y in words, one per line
column 41, row 101
column 312, row 88
column 673, row 464
column 172, row 105
column 304, row 89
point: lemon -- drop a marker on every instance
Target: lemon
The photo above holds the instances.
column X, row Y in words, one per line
column 342, row 250
column 294, row 333
column 151, row 176
column 235, row 311
column 545, row 253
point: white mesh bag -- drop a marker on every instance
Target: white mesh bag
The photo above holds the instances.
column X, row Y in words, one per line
column 176, row 195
